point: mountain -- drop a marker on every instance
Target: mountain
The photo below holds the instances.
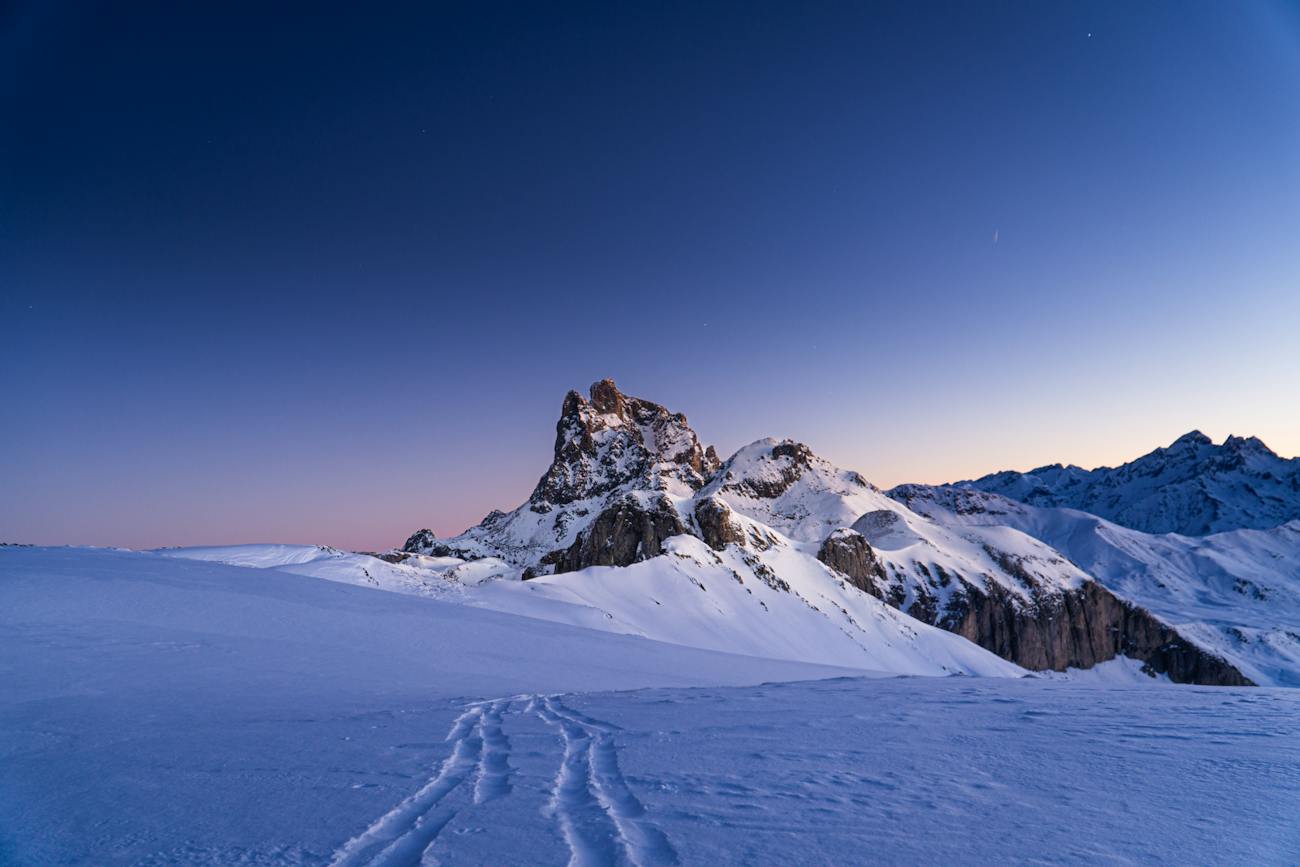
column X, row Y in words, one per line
column 1192, row 487
column 618, row 459
column 1236, row 593
column 637, row 527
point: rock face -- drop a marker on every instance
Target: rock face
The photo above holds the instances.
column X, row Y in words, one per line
column 1192, row 487
column 607, row 445
column 717, row 525
column 614, row 441
column 629, row 530
column 420, row 540
column 1238, row 591
column 1079, row 629
column 847, row 551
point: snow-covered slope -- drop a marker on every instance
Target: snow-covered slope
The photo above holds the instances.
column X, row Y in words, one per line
column 638, row 528
column 996, row 585
column 1192, row 487
column 783, row 485
column 321, row 561
column 731, row 601
column 159, row 711
column 1236, row 593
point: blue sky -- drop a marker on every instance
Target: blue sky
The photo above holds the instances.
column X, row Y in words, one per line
column 322, row 273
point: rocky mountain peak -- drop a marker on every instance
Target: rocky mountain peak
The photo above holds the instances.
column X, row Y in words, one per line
column 1195, row 438
column 1247, row 445
column 606, row 398
column 611, row 440
column 420, row 540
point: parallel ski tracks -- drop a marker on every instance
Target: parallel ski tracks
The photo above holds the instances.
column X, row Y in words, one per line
column 597, row 815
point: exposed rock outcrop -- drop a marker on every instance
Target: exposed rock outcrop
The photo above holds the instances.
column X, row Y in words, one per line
column 631, row 529
column 787, row 461
column 848, row 552
column 420, row 541
column 717, row 524
column 607, row 445
column 1079, row 629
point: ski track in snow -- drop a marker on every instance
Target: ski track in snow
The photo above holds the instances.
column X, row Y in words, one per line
column 401, row 836
column 599, row 818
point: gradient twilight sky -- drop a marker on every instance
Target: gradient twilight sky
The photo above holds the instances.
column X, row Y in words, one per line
column 323, row 273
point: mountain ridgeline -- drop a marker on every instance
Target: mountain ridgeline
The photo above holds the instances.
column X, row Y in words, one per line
column 630, row 482
column 1191, row 487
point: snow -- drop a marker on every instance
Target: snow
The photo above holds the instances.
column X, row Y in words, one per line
column 1120, row 671
column 1235, row 593
column 718, row 600
column 426, row 576
column 693, row 597
column 160, row 710
column 1192, row 486
column 822, row 498
column 784, row 501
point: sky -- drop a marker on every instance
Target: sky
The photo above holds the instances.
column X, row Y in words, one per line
column 323, row 272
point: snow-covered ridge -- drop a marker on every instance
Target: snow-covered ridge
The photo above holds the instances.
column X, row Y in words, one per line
column 783, row 485
column 1192, row 487
column 1236, row 593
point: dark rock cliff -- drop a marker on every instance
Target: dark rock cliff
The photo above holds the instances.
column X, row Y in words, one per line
column 848, row 552
column 625, row 532
column 1079, row 629
column 718, row 528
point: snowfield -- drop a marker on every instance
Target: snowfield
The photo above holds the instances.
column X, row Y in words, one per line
column 163, row 710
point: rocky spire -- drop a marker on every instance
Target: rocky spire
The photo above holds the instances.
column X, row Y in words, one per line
column 611, row 440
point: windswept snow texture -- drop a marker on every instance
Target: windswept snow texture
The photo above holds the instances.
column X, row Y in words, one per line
column 160, row 711
column 1235, row 593
column 780, row 603
column 1192, row 487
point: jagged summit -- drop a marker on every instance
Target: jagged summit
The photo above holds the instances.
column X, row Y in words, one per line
column 1193, row 438
column 1192, row 487
column 620, row 463
column 612, row 440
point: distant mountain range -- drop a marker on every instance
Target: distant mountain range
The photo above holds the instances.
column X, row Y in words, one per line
column 1192, row 487
column 1235, row 593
